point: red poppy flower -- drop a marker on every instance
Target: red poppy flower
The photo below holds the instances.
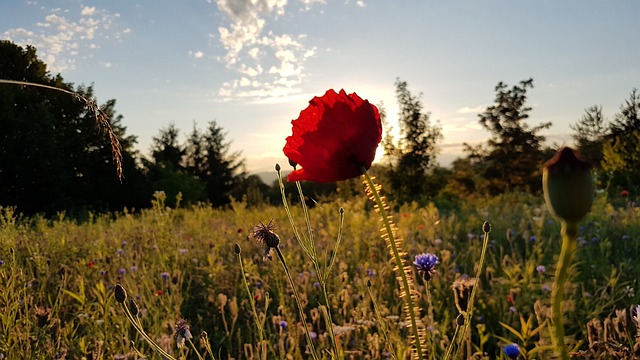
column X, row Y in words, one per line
column 334, row 138
column 624, row 193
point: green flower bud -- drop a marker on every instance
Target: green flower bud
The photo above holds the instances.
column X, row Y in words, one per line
column 568, row 186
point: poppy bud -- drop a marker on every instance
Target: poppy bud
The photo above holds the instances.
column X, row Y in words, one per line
column 568, row 185
column 133, row 308
column 237, row 249
column 277, row 167
column 486, row 227
column 120, row 294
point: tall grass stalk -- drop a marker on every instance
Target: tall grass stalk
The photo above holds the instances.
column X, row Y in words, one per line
column 403, row 272
column 92, row 107
column 262, row 350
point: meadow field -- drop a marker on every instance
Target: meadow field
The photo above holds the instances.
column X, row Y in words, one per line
column 57, row 280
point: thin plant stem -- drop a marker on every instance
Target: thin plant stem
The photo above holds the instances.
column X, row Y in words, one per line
column 136, row 324
column 469, row 311
column 307, row 220
column 430, row 314
column 383, row 326
column 285, row 203
column 569, row 232
column 308, row 246
column 321, row 275
column 253, row 309
column 450, row 348
column 196, row 350
column 406, row 288
column 296, row 296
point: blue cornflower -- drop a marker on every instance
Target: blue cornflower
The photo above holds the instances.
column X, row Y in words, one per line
column 165, row 275
column 283, row 325
column 426, row 263
column 512, row 351
column 541, row 269
column 1, row 262
column 122, row 271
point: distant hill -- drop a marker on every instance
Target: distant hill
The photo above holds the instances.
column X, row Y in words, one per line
column 268, row 177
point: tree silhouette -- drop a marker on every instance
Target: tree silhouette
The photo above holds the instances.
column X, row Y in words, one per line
column 53, row 156
column 621, row 151
column 224, row 169
column 414, row 155
column 515, row 151
column 590, row 134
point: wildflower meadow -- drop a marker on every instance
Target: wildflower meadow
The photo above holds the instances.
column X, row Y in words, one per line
column 513, row 276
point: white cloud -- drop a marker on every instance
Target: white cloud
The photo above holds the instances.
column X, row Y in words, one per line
column 196, row 54
column 250, row 48
column 88, row 10
column 471, row 110
column 64, row 34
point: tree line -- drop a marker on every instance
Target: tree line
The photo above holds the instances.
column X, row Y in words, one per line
column 54, row 158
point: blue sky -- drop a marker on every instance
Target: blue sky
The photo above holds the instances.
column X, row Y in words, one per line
column 253, row 65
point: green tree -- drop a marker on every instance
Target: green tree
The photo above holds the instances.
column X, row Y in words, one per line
column 590, row 134
column 224, row 168
column 167, row 171
column 53, row 155
column 621, row 151
column 515, row 152
column 414, row 155
column 166, row 150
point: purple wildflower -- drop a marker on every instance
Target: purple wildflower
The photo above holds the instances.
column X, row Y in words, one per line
column 512, row 351
column 425, row 263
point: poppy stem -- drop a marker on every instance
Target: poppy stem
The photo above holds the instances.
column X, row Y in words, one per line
column 569, row 231
column 307, row 244
column 408, row 293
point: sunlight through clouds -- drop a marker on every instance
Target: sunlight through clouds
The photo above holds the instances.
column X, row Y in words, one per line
column 63, row 35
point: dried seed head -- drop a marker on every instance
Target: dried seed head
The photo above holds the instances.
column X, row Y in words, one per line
column 265, row 235
column 42, row 316
column 462, row 289
column 120, row 294
column 183, row 333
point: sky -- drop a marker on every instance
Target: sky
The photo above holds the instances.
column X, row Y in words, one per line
column 253, row 65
